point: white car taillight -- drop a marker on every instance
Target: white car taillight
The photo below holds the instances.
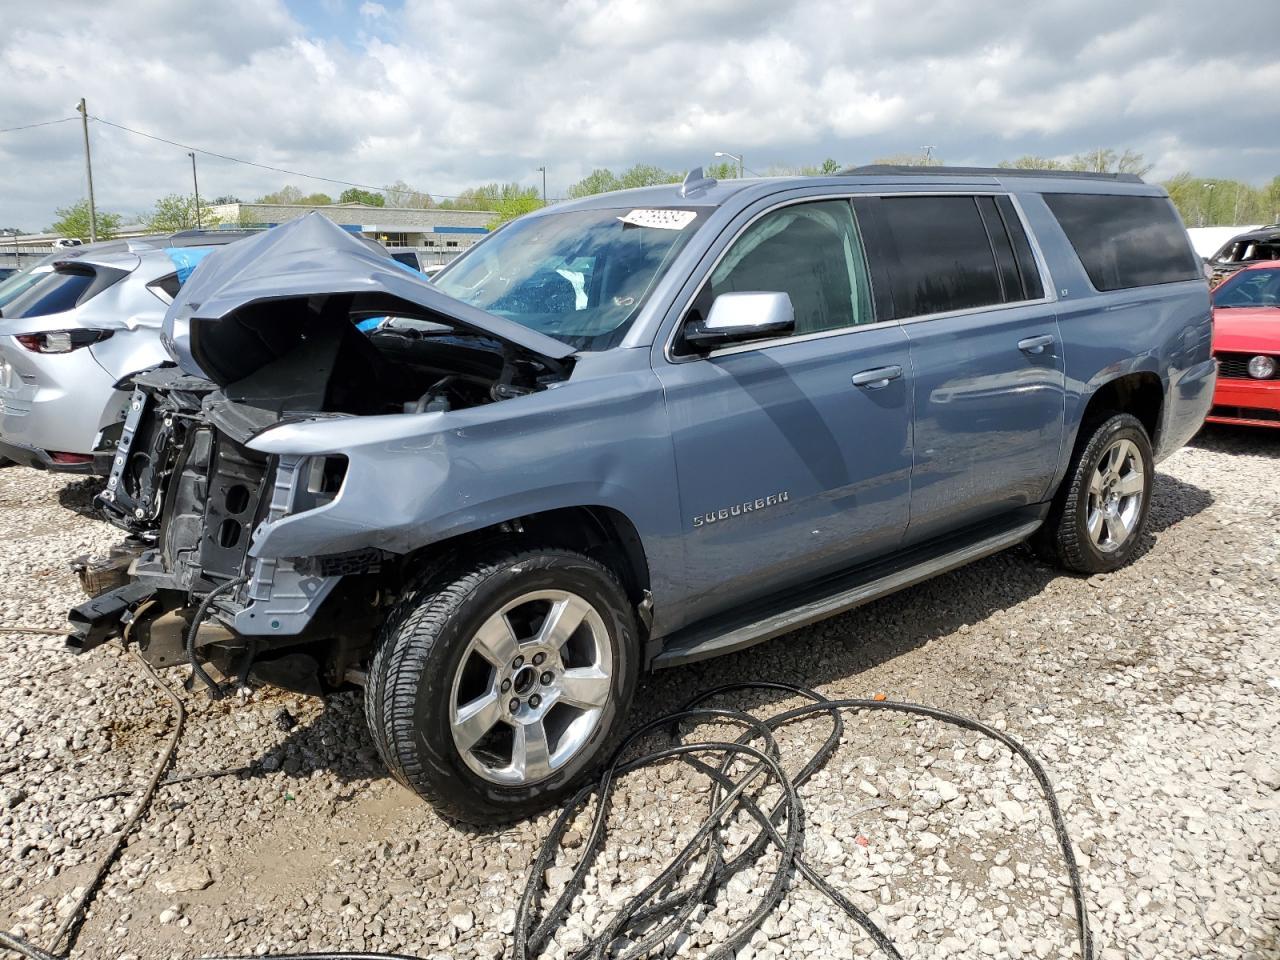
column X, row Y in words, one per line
column 61, row 341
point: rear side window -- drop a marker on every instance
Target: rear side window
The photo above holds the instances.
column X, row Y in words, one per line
column 55, row 292
column 1124, row 241
column 63, row 288
column 939, row 255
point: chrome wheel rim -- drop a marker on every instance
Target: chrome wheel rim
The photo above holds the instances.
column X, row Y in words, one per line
column 531, row 687
column 1115, row 496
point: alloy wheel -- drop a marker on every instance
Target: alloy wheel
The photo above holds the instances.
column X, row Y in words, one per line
column 531, row 687
column 1115, row 496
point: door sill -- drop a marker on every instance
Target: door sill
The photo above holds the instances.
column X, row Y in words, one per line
column 826, row 598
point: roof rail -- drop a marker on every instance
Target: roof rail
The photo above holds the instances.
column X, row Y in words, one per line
column 889, row 169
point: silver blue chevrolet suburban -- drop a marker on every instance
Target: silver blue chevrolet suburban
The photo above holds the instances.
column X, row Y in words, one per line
column 634, row 431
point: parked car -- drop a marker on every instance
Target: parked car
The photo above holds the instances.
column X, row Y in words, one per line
column 636, row 430
column 70, row 327
column 1246, row 341
column 1253, row 246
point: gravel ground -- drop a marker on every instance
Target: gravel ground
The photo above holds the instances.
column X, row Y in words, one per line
column 1153, row 696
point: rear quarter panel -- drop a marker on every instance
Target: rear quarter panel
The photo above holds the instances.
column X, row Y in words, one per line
column 1166, row 330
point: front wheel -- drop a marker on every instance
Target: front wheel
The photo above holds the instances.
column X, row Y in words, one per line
column 1096, row 522
column 495, row 688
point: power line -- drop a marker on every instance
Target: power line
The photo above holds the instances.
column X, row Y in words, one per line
column 32, row 126
column 261, row 166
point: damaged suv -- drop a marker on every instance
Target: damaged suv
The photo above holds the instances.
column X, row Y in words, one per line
column 635, row 431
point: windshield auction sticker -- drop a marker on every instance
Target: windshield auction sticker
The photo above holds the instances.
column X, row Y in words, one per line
column 660, row 219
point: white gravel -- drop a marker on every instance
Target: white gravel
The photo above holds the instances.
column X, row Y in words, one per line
column 1153, row 696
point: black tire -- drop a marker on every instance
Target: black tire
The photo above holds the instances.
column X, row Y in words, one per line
column 1064, row 540
column 408, row 697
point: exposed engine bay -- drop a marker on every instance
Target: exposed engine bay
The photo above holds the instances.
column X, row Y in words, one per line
column 191, row 494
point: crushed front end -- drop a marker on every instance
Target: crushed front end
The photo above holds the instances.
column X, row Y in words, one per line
column 261, row 344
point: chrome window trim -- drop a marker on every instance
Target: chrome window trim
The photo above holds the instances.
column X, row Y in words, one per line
column 1046, row 284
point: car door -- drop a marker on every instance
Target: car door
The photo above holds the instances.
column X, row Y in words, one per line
column 793, row 455
column 986, row 355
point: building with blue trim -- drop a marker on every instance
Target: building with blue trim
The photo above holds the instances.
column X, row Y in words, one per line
column 437, row 235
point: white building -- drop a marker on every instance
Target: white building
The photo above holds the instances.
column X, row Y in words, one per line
column 437, row 235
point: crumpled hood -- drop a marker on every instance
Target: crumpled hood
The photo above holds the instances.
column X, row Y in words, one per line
column 314, row 256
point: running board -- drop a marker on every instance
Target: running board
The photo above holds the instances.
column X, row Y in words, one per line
column 701, row 642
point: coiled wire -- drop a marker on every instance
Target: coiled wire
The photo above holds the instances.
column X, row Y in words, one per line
column 651, row 922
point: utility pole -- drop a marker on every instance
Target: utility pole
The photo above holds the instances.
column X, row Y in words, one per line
column 88, row 169
column 195, row 183
column 543, row 171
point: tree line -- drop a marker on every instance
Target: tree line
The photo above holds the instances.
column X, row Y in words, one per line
column 1202, row 201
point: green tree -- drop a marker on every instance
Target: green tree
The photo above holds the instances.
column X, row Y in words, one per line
column 1271, row 200
column 73, row 221
column 1107, row 160
column 597, row 181
column 1032, row 162
column 512, row 200
column 724, row 170
column 289, row 194
column 173, row 213
column 647, row 175
column 400, row 194
column 225, row 198
column 910, row 160
column 356, row 195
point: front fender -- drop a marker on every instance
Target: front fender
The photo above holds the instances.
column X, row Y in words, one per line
column 414, row 480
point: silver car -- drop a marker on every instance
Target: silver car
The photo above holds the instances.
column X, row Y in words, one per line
column 74, row 324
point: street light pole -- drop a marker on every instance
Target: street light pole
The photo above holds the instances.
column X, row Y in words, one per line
column 88, row 169
column 928, row 153
column 733, row 156
column 543, row 171
column 195, row 183
column 1209, row 204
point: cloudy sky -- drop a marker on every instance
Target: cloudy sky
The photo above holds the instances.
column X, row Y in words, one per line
column 449, row 94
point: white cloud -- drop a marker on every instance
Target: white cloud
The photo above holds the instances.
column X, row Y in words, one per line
column 446, row 95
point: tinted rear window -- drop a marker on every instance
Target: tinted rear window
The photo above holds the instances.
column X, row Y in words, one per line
column 1126, row 242
column 941, row 258
column 55, row 292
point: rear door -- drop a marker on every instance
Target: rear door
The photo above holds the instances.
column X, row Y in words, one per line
column 788, row 469
column 986, row 354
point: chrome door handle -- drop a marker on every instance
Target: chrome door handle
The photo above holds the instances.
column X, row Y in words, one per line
column 876, row 378
column 1035, row 345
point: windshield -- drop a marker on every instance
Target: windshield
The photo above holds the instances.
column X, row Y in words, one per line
column 1250, row 288
column 578, row 276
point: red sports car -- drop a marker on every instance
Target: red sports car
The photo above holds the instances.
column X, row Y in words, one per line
column 1246, row 341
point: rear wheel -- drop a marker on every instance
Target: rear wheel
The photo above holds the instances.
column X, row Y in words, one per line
column 495, row 689
column 1100, row 512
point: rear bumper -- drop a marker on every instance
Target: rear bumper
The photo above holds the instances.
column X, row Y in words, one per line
column 1254, row 403
column 40, row 459
column 1188, row 402
column 55, row 402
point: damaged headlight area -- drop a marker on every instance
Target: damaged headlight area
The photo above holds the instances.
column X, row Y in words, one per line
column 194, row 488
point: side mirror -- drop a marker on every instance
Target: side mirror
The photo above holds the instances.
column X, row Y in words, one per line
column 740, row 318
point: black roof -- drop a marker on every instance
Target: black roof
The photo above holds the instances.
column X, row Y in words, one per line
column 895, row 170
column 1269, row 232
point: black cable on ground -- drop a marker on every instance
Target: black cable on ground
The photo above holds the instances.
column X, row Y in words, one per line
column 649, row 923
column 71, row 925
column 202, row 611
